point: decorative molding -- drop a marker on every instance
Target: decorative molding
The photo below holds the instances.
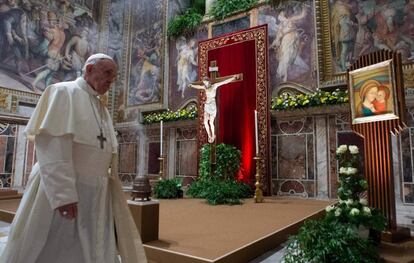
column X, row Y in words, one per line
column 291, row 88
column 292, row 188
column 311, row 111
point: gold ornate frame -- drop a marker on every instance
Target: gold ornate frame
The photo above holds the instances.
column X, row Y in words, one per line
column 258, row 34
column 366, row 74
column 323, row 26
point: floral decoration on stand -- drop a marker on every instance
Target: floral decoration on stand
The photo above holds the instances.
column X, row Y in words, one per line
column 319, row 98
column 168, row 115
column 336, row 238
column 352, row 208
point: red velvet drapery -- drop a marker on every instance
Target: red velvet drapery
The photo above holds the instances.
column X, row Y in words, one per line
column 237, row 101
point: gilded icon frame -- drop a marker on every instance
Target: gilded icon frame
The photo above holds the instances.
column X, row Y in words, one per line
column 372, row 93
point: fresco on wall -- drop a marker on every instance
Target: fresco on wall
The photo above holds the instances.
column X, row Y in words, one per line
column 146, row 74
column 183, row 68
column 361, row 27
column 291, row 43
column 116, row 30
column 177, row 6
column 43, row 42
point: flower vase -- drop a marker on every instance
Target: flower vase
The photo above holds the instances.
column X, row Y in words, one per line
column 363, row 232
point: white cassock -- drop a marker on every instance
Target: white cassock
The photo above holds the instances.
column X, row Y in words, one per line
column 72, row 167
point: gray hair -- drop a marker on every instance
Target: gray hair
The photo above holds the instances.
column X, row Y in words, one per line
column 93, row 59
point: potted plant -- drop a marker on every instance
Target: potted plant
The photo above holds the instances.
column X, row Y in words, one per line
column 168, row 189
column 220, row 187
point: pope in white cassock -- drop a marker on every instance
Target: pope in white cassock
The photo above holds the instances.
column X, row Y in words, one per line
column 73, row 206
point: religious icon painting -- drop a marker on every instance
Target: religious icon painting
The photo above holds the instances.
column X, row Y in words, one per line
column 372, row 93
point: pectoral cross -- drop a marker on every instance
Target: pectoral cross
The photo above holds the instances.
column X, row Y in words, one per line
column 101, row 138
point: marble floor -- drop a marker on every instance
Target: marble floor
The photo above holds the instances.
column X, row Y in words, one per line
column 274, row 256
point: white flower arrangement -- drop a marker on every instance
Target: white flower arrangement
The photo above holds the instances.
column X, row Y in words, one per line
column 329, row 208
column 352, row 170
column 353, row 149
column 349, row 202
column 366, row 210
column 363, row 201
column 338, row 212
column 341, row 149
column 348, row 170
column 354, row 212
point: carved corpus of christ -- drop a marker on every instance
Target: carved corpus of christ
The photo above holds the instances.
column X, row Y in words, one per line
column 210, row 108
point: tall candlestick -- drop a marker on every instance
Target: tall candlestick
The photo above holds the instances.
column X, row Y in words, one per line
column 256, row 133
column 161, row 138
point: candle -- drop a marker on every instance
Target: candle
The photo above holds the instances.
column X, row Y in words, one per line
column 256, row 133
column 161, row 138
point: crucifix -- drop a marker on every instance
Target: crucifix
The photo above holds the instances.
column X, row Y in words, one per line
column 101, row 138
column 210, row 86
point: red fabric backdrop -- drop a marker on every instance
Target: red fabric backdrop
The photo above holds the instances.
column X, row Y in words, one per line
column 237, row 101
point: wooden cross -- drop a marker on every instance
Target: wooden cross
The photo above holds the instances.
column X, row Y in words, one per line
column 102, row 139
column 214, row 75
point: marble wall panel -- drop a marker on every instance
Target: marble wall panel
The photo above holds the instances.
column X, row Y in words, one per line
column 186, row 158
column 30, row 160
column 153, row 154
column 332, row 144
column 8, row 166
column 3, row 146
column 310, row 157
column 408, row 193
column 128, row 157
column 291, row 157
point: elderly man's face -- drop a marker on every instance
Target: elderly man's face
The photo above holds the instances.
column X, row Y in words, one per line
column 101, row 75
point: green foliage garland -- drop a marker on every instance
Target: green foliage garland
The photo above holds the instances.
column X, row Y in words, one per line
column 288, row 102
column 168, row 188
column 168, row 115
column 185, row 24
column 224, row 8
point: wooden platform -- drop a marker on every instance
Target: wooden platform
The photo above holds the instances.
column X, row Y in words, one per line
column 8, row 209
column 9, row 194
column 192, row 231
